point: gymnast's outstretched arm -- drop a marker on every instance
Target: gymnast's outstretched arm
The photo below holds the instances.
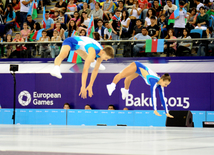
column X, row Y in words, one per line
column 88, row 60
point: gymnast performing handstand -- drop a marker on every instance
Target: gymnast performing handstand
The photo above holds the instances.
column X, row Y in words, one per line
column 88, row 49
column 151, row 78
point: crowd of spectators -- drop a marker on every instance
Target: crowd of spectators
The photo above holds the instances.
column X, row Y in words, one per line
column 113, row 20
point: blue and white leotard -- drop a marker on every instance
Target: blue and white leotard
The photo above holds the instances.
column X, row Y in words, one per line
column 83, row 43
column 152, row 80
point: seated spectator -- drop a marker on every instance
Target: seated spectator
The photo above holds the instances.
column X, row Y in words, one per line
column 87, row 107
column 71, row 8
column 111, row 107
column 92, row 5
column 107, row 8
column 203, row 46
column 172, row 45
column 61, row 17
column 150, row 13
column 84, row 21
column 158, row 9
column 30, row 22
column 55, row 16
column 125, row 21
column 136, row 11
column 97, row 13
column 66, row 106
column 16, row 9
column 60, row 6
column 202, row 19
column 180, row 22
column 162, row 23
column 9, row 48
column 96, row 36
column 184, row 45
column 121, row 6
column 153, row 29
column 199, row 5
column 55, row 48
column 71, row 27
column 129, row 2
column 44, row 48
column 107, row 32
column 85, row 9
column 36, row 27
column 191, row 19
column 60, row 30
column 209, row 5
column 18, row 53
column 125, row 108
column 49, row 24
column 100, row 28
column 10, row 19
column 25, row 32
column 169, row 8
column 137, row 28
column 82, row 32
column 76, row 16
column 140, row 46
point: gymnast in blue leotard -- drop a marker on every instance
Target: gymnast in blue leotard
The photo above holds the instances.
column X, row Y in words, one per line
column 88, row 49
column 136, row 69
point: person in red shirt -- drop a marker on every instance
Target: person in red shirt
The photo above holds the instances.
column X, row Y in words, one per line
column 143, row 4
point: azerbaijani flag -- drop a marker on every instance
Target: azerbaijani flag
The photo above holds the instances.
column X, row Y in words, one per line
column 96, row 1
column 90, row 29
column 37, row 34
column 110, row 31
column 154, row 45
column 44, row 20
column 65, row 1
column 34, row 14
column 74, row 33
column 160, row 3
column 177, row 3
column 74, row 57
column 174, row 15
column 32, row 11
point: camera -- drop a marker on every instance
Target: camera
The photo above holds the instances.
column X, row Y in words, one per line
column 14, row 68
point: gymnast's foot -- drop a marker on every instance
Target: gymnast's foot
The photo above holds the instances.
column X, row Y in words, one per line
column 170, row 116
column 110, row 88
column 100, row 68
column 56, row 72
column 156, row 113
column 125, row 93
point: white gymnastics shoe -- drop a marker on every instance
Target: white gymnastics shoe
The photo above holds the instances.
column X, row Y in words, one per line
column 110, row 88
column 56, row 72
column 125, row 93
column 92, row 65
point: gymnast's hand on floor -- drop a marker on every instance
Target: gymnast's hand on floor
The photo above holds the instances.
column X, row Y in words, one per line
column 168, row 115
column 90, row 92
column 83, row 93
column 156, row 113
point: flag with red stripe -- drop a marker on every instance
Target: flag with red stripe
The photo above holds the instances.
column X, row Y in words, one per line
column 44, row 20
column 91, row 29
column 154, row 45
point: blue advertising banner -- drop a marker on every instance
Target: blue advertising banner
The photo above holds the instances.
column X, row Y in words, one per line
column 187, row 91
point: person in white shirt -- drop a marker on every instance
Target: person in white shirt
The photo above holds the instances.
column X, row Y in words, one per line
column 24, row 8
column 136, row 11
column 199, row 4
column 125, row 21
column 180, row 22
column 169, row 8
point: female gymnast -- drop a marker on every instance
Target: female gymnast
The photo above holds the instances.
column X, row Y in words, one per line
column 134, row 70
column 88, row 49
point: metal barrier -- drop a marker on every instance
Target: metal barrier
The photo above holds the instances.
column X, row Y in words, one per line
column 130, row 43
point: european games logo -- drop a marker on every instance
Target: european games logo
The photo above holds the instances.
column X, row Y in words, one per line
column 24, row 98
